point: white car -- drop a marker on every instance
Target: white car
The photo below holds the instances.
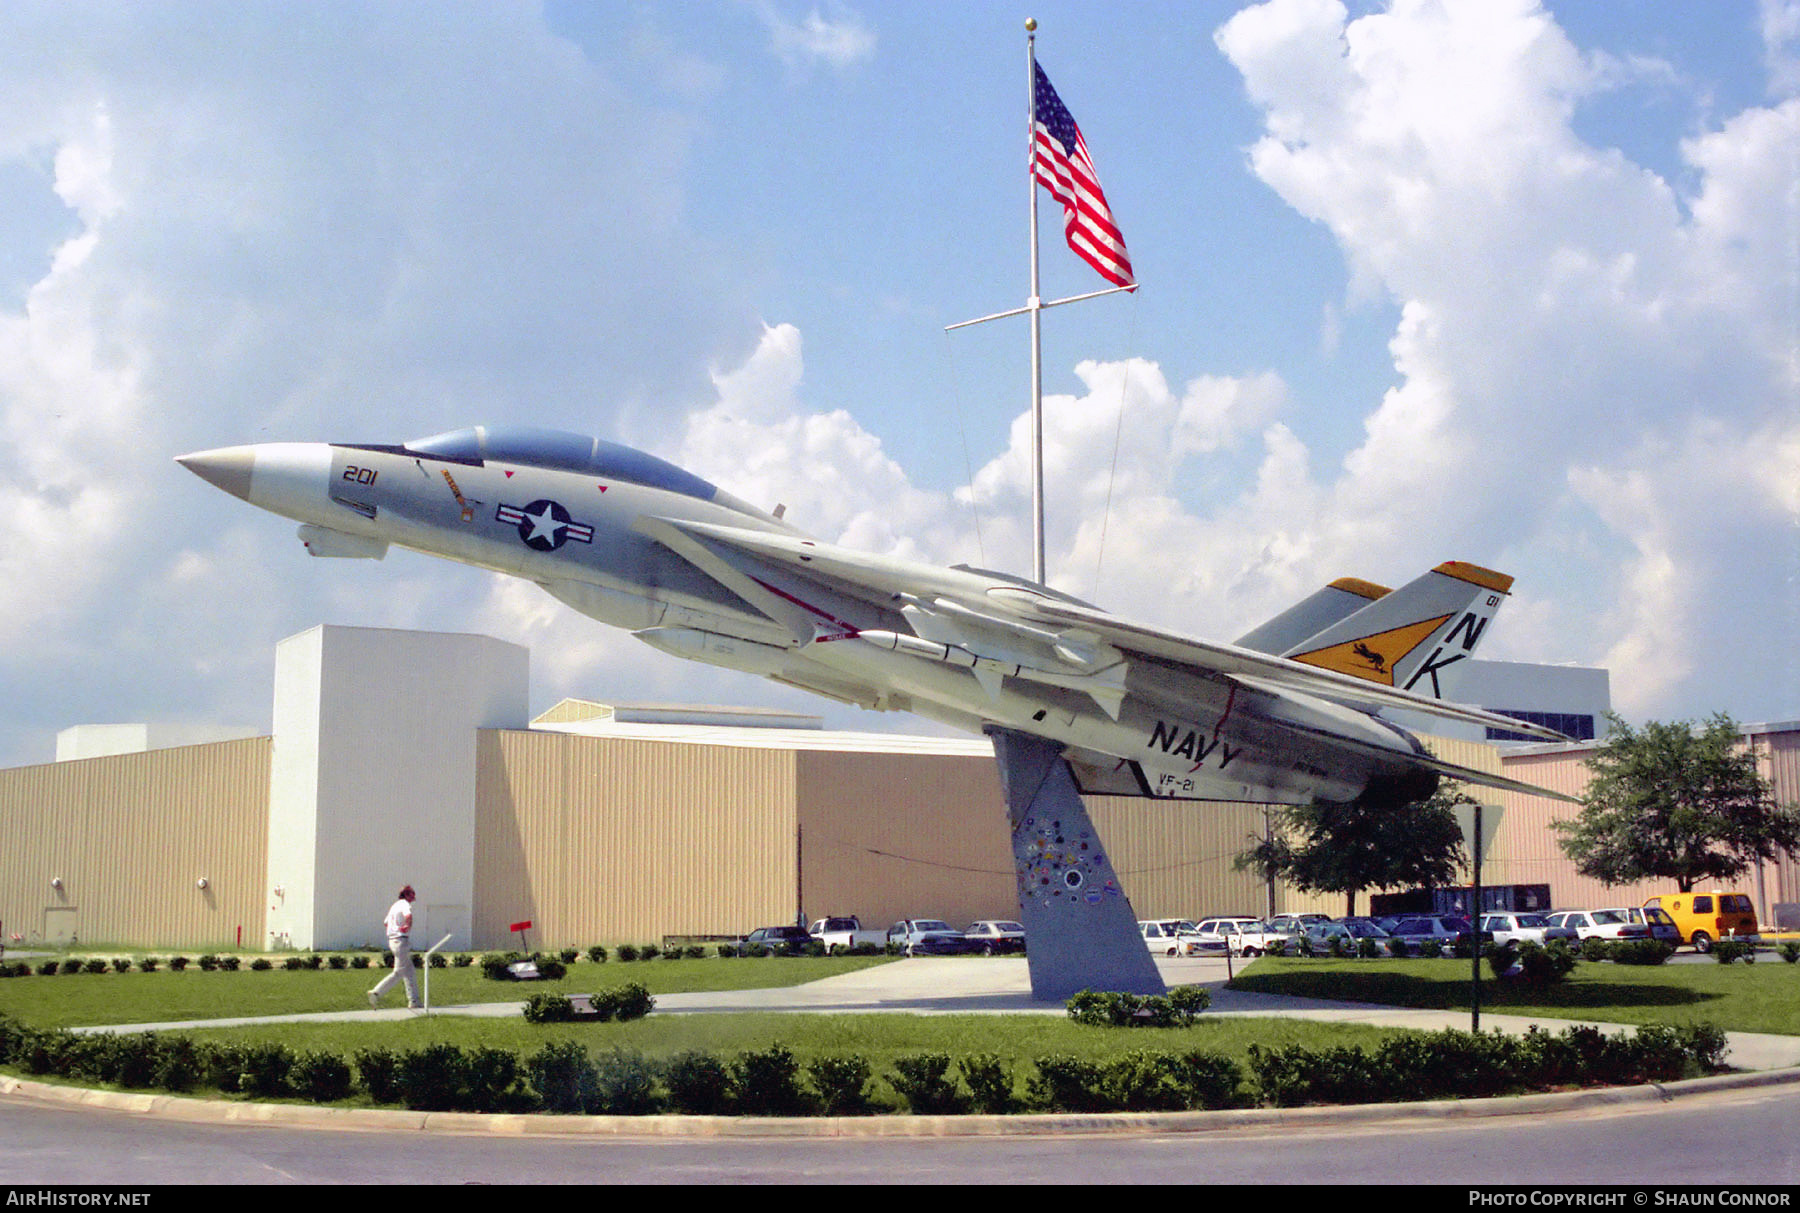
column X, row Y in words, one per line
column 1167, row 936
column 1525, row 928
column 1237, row 935
column 1600, row 924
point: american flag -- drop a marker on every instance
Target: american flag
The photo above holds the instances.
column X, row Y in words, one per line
column 1060, row 162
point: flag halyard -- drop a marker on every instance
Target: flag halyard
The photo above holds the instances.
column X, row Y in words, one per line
column 1061, row 164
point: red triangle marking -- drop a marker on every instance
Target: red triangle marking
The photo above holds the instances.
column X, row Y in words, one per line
column 509, row 474
column 603, row 488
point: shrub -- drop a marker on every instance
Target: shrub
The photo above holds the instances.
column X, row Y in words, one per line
column 1368, row 949
column 264, row 1069
column 149, row 964
column 439, row 961
column 1208, row 1080
column 493, row 1079
column 563, row 1077
column 359, row 962
column 1595, row 949
column 625, row 1084
column 923, row 1081
column 230, row 963
column 293, row 964
column 338, row 962
column 1789, row 951
column 1397, row 948
column 69, row 966
column 434, row 1078
column 122, row 964
column 378, row 1073
column 1501, row 957
column 628, row 951
column 694, row 952
column 462, row 960
column 1067, row 1084
column 1641, row 952
column 548, row 1008
column 95, row 966
column 628, row 1002
column 990, row 1083
column 321, row 1076
column 179, row 1066
column 1542, row 966
column 262, row 964
column 568, row 955
column 493, row 965
column 597, row 954
column 47, row 969
column 208, row 963
column 1431, row 949
column 1728, row 950
column 1188, row 1001
column 1144, row 1081
column 648, row 952
column 842, row 1084
column 727, row 951
column 767, row 1083
column 698, row 1084
column 178, row 963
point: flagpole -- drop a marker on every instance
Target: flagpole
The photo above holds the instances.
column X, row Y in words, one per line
column 1034, row 304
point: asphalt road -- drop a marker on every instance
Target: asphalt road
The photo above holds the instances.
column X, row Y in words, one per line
column 1729, row 1139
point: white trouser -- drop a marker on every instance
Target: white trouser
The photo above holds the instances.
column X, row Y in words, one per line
column 403, row 971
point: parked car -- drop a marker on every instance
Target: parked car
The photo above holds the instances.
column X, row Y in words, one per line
column 997, row 936
column 1507, row 927
column 1447, row 929
column 1240, row 936
column 1169, row 936
column 1351, row 931
column 1705, row 918
column 844, row 931
column 928, row 937
column 1599, row 924
column 777, row 939
column 1297, row 923
column 1662, row 927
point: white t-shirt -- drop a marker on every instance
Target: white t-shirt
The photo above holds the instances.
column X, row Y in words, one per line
column 399, row 919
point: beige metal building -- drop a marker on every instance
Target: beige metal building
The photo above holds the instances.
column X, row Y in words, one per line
column 405, row 758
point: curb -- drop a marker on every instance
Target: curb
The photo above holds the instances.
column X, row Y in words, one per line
column 205, row 1111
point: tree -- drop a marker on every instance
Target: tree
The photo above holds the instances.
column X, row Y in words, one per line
column 1346, row 848
column 1676, row 801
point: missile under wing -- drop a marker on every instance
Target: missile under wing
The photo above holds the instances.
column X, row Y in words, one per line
column 1290, row 716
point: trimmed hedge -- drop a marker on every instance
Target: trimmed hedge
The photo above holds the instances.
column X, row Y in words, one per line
column 565, row 1077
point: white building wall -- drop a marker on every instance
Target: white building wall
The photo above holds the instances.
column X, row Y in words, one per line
column 1508, row 686
column 372, row 779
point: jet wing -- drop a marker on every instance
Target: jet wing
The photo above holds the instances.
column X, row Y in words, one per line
column 883, row 579
column 1258, row 669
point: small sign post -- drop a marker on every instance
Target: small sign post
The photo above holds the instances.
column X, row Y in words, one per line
column 519, row 929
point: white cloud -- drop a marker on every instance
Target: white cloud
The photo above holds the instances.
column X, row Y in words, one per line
column 838, row 41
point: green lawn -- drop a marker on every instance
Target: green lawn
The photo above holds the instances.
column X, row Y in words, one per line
column 80, row 999
column 878, row 1037
column 1760, row 997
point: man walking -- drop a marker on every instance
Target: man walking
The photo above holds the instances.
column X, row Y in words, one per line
column 398, row 926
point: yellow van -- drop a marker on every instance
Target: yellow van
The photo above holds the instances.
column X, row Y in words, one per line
column 1704, row 918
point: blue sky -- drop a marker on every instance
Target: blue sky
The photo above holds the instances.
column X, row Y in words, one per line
column 1499, row 281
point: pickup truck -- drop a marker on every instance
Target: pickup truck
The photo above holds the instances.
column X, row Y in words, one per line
column 844, row 931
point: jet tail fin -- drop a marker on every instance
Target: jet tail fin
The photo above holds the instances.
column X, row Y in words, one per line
column 1405, row 638
column 1312, row 615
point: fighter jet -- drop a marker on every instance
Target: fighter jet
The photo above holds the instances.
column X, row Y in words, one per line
column 1287, row 715
column 1290, row 714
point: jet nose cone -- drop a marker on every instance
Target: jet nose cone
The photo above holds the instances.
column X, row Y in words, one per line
column 227, row 468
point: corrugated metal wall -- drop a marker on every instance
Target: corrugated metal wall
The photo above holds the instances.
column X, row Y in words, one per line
column 892, row 836
column 1174, row 858
column 604, row 840
column 129, row 835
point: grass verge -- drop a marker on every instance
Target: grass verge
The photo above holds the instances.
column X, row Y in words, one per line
column 82, row 999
